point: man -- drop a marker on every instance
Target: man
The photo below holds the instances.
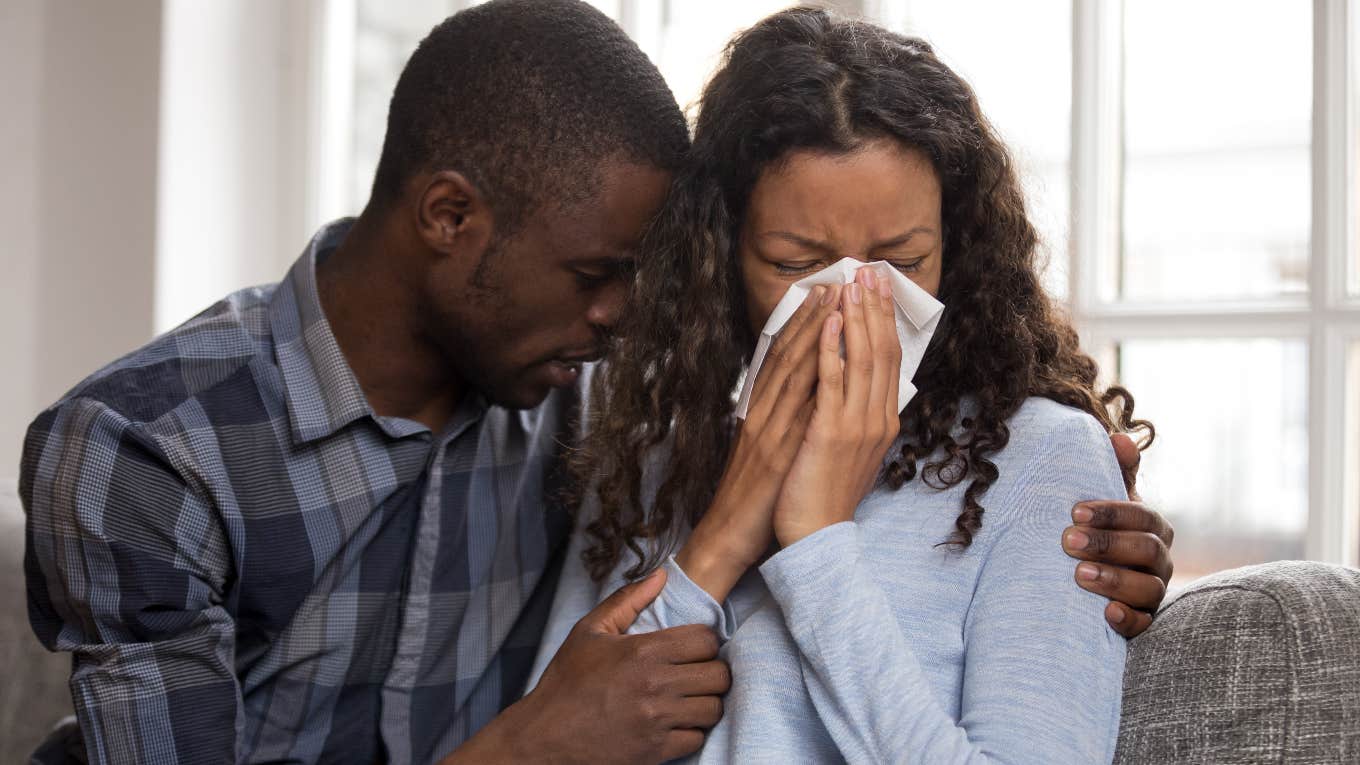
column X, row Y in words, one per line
column 317, row 522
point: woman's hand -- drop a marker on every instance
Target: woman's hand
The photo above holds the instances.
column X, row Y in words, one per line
column 855, row 419
column 736, row 530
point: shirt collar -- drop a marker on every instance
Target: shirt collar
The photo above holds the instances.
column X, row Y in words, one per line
column 321, row 391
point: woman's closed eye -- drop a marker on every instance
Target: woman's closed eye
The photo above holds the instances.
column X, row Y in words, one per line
column 908, row 265
column 799, row 267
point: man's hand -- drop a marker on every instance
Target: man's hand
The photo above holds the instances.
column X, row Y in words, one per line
column 1127, row 549
column 609, row 697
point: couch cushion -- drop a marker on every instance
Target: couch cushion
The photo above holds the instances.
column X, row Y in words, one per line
column 1258, row 664
column 35, row 694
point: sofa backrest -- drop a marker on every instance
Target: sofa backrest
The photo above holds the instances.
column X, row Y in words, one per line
column 34, row 694
column 1259, row 664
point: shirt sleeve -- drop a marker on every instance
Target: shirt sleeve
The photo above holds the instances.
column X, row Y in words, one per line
column 126, row 567
column 1042, row 671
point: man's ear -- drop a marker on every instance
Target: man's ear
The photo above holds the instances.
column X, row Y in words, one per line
column 452, row 215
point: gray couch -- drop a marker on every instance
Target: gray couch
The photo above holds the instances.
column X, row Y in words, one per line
column 33, row 694
column 1256, row 665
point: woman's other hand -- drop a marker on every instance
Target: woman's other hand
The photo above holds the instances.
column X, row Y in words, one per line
column 855, row 420
column 736, row 530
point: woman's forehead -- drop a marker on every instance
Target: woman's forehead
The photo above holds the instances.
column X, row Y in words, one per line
column 881, row 184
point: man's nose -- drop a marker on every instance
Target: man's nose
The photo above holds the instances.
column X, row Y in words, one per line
column 608, row 305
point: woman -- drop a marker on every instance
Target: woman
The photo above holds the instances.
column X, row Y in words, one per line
column 887, row 587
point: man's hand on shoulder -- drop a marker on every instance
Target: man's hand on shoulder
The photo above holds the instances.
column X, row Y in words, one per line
column 610, row 697
column 1125, row 548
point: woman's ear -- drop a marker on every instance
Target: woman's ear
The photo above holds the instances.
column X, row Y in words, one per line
column 452, row 215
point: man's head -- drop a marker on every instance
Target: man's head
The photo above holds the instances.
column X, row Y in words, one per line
column 528, row 144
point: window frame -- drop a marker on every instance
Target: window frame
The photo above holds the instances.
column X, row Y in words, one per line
column 1327, row 318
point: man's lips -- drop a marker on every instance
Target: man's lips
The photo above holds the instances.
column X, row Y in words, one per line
column 586, row 357
column 565, row 369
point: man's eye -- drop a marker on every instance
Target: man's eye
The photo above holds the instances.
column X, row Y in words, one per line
column 796, row 268
column 594, row 279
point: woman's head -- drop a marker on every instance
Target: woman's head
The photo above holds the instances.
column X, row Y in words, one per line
column 879, row 201
column 821, row 138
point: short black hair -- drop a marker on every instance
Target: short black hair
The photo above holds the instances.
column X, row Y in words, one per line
column 526, row 98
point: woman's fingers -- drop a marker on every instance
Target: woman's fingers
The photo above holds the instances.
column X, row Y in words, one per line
column 859, row 360
column 894, row 352
column 786, row 358
column 830, row 367
column 796, row 391
column 883, row 345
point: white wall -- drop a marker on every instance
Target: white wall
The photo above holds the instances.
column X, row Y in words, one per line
column 154, row 156
column 234, row 155
column 80, row 89
column 21, row 25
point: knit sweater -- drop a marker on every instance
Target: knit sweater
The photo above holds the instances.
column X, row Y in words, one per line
column 869, row 642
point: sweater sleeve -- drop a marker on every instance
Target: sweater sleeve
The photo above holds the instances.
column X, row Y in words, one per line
column 681, row 601
column 1042, row 673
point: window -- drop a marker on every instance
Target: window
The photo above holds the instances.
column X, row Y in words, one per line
column 1230, row 464
column 1190, row 165
column 1020, row 64
column 1352, row 431
column 1216, row 186
column 1205, row 259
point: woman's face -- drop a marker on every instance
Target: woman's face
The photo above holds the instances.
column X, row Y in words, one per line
column 881, row 202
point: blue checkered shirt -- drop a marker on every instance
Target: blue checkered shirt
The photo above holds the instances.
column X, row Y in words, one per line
column 248, row 564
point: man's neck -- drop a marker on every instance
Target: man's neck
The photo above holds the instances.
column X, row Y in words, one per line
column 371, row 312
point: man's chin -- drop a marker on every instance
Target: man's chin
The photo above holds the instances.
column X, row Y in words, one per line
column 520, row 396
column 522, row 392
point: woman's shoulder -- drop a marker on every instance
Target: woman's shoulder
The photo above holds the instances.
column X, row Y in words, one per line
column 1047, row 427
column 1057, row 456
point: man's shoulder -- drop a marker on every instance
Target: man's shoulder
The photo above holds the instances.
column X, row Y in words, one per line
column 225, row 341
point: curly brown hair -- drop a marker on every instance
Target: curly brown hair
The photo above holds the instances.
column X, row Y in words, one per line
column 804, row 79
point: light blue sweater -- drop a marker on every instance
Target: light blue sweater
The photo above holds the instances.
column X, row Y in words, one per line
column 867, row 643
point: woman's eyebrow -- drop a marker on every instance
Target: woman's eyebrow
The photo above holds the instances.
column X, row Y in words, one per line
column 901, row 239
column 819, row 246
column 802, row 241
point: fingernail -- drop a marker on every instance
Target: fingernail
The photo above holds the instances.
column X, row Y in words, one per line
column 1118, row 616
column 1077, row 540
column 884, row 288
column 833, row 325
column 870, row 278
column 1088, row 572
column 826, row 295
column 1082, row 514
column 854, row 293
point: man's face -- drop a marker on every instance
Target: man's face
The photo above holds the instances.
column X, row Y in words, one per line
column 545, row 299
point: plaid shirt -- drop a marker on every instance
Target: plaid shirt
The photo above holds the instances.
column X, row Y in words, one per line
column 249, row 565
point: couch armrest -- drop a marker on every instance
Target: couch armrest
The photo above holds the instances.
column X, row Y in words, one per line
column 1257, row 664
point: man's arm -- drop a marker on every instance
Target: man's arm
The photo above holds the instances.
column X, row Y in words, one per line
column 1126, row 547
column 124, row 567
column 609, row 697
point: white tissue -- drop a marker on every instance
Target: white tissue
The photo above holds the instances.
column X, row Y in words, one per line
column 918, row 314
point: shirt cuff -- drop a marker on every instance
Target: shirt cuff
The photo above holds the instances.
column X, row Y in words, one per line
column 807, row 566
column 683, row 602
